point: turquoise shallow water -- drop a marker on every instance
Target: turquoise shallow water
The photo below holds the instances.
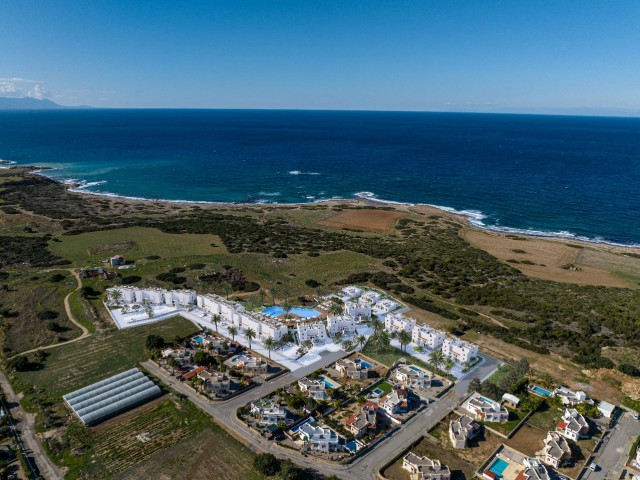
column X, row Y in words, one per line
column 575, row 177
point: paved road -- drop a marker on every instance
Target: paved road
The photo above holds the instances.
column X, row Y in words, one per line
column 614, row 451
column 24, row 424
column 365, row 466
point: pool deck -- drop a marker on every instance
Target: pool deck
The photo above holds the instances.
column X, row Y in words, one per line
column 513, row 458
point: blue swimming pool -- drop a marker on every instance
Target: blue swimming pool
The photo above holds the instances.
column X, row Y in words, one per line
column 276, row 311
column 498, row 467
column 378, row 392
column 199, row 339
column 352, row 446
column 327, row 383
column 541, row 391
column 363, row 363
column 415, row 369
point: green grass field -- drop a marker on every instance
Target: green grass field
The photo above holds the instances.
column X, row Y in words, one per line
column 78, row 364
column 134, row 243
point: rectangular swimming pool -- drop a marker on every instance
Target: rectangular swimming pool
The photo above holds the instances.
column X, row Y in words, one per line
column 541, row 391
column 498, row 467
column 363, row 363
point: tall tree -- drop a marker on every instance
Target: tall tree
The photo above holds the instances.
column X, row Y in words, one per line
column 269, row 344
column 249, row 334
column 233, row 331
column 216, row 319
column 404, row 338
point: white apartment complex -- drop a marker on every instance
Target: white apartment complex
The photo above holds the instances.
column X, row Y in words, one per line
column 316, row 332
column 343, row 324
column 396, row 322
column 458, row 350
column 429, row 337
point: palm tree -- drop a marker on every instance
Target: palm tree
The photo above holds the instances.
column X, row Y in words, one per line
column 249, row 334
column 335, row 309
column 448, row 363
column 437, row 358
column 347, row 345
column 269, row 344
column 404, row 338
column 376, row 324
column 307, row 344
column 361, row 340
column 301, row 351
column 286, row 305
column 148, row 309
column 337, row 337
column 216, row 319
column 116, row 295
column 380, row 339
column 419, row 348
column 233, row 331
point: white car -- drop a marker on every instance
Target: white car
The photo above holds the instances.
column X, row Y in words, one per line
column 593, row 467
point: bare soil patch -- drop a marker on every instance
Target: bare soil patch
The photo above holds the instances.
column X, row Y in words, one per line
column 528, row 440
column 559, row 261
column 368, row 220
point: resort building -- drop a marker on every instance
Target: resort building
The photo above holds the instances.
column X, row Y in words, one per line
column 425, row 336
column 215, row 382
column 313, row 388
column 348, row 368
column 342, row 324
column 384, row 306
column 370, row 298
column 462, row 430
column 270, row 413
column 357, row 311
column 485, row 409
column 316, row 332
column 395, row 402
column 423, row 468
column 155, row 296
column 556, row 451
column 568, row 396
column 319, row 439
column 249, row 364
column 534, row 470
column 363, row 422
column 351, row 292
column 458, row 350
column 411, row 376
column 573, row 425
column 396, row 322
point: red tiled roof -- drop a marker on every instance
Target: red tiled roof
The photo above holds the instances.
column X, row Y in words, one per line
column 562, row 425
column 370, row 404
column 490, row 474
column 352, row 420
column 193, row 372
column 521, row 476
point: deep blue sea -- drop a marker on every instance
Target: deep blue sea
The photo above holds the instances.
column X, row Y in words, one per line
column 550, row 175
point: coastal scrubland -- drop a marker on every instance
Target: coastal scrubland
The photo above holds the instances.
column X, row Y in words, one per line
column 571, row 325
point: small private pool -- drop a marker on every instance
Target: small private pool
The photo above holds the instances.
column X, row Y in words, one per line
column 302, row 312
column 363, row 363
column 198, row 339
column 377, row 392
column 327, row 383
column 498, row 467
column 415, row 369
column 540, row 391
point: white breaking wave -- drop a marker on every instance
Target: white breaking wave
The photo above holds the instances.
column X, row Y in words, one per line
column 82, row 184
column 298, row 172
column 6, row 163
column 270, row 194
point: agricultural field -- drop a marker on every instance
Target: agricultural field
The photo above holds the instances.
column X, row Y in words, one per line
column 115, row 446
column 368, row 220
column 73, row 366
column 133, row 242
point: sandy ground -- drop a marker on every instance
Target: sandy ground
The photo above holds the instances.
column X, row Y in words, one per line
column 596, row 264
column 368, row 220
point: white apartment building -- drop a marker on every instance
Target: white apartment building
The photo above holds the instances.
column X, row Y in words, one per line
column 370, row 297
column 342, row 324
column 411, row 376
column 316, row 332
column 396, row 322
column 429, row 337
column 458, row 350
column 351, row 292
column 317, row 438
column 384, row 306
column 357, row 311
column 155, row 296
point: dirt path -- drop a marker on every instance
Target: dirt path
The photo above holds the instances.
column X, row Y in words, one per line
column 25, row 430
column 72, row 318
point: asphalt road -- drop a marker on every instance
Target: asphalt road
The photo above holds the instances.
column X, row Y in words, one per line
column 365, row 466
column 24, row 427
column 614, row 450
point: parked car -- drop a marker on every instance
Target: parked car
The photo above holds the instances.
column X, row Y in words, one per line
column 593, row 467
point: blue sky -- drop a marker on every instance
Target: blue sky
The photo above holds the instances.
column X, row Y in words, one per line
column 554, row 57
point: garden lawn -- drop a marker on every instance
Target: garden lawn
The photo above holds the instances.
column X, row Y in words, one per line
column 99, row 356
column 505, row 428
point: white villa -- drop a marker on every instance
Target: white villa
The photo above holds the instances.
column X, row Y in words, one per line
column 315, row 389
column 485, row 409
column 249, row 364
column 395, row 402
column 534, row 470
column 357, row 311
column 316, row 332
column 462, row 430
column 351, row 292
column 556, row 451
column 349, row 369
column 458, row 350
column 573, row 425
column 370, row 297
column 396, row 322
column 411, row 376
column 268, row 412
column 384, row 306
column 429, row 337
column 343, row 324
column 568, row 396
column 423, row 468
column 319, row 439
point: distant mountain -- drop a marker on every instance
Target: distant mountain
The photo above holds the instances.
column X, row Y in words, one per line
column 27, row 103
